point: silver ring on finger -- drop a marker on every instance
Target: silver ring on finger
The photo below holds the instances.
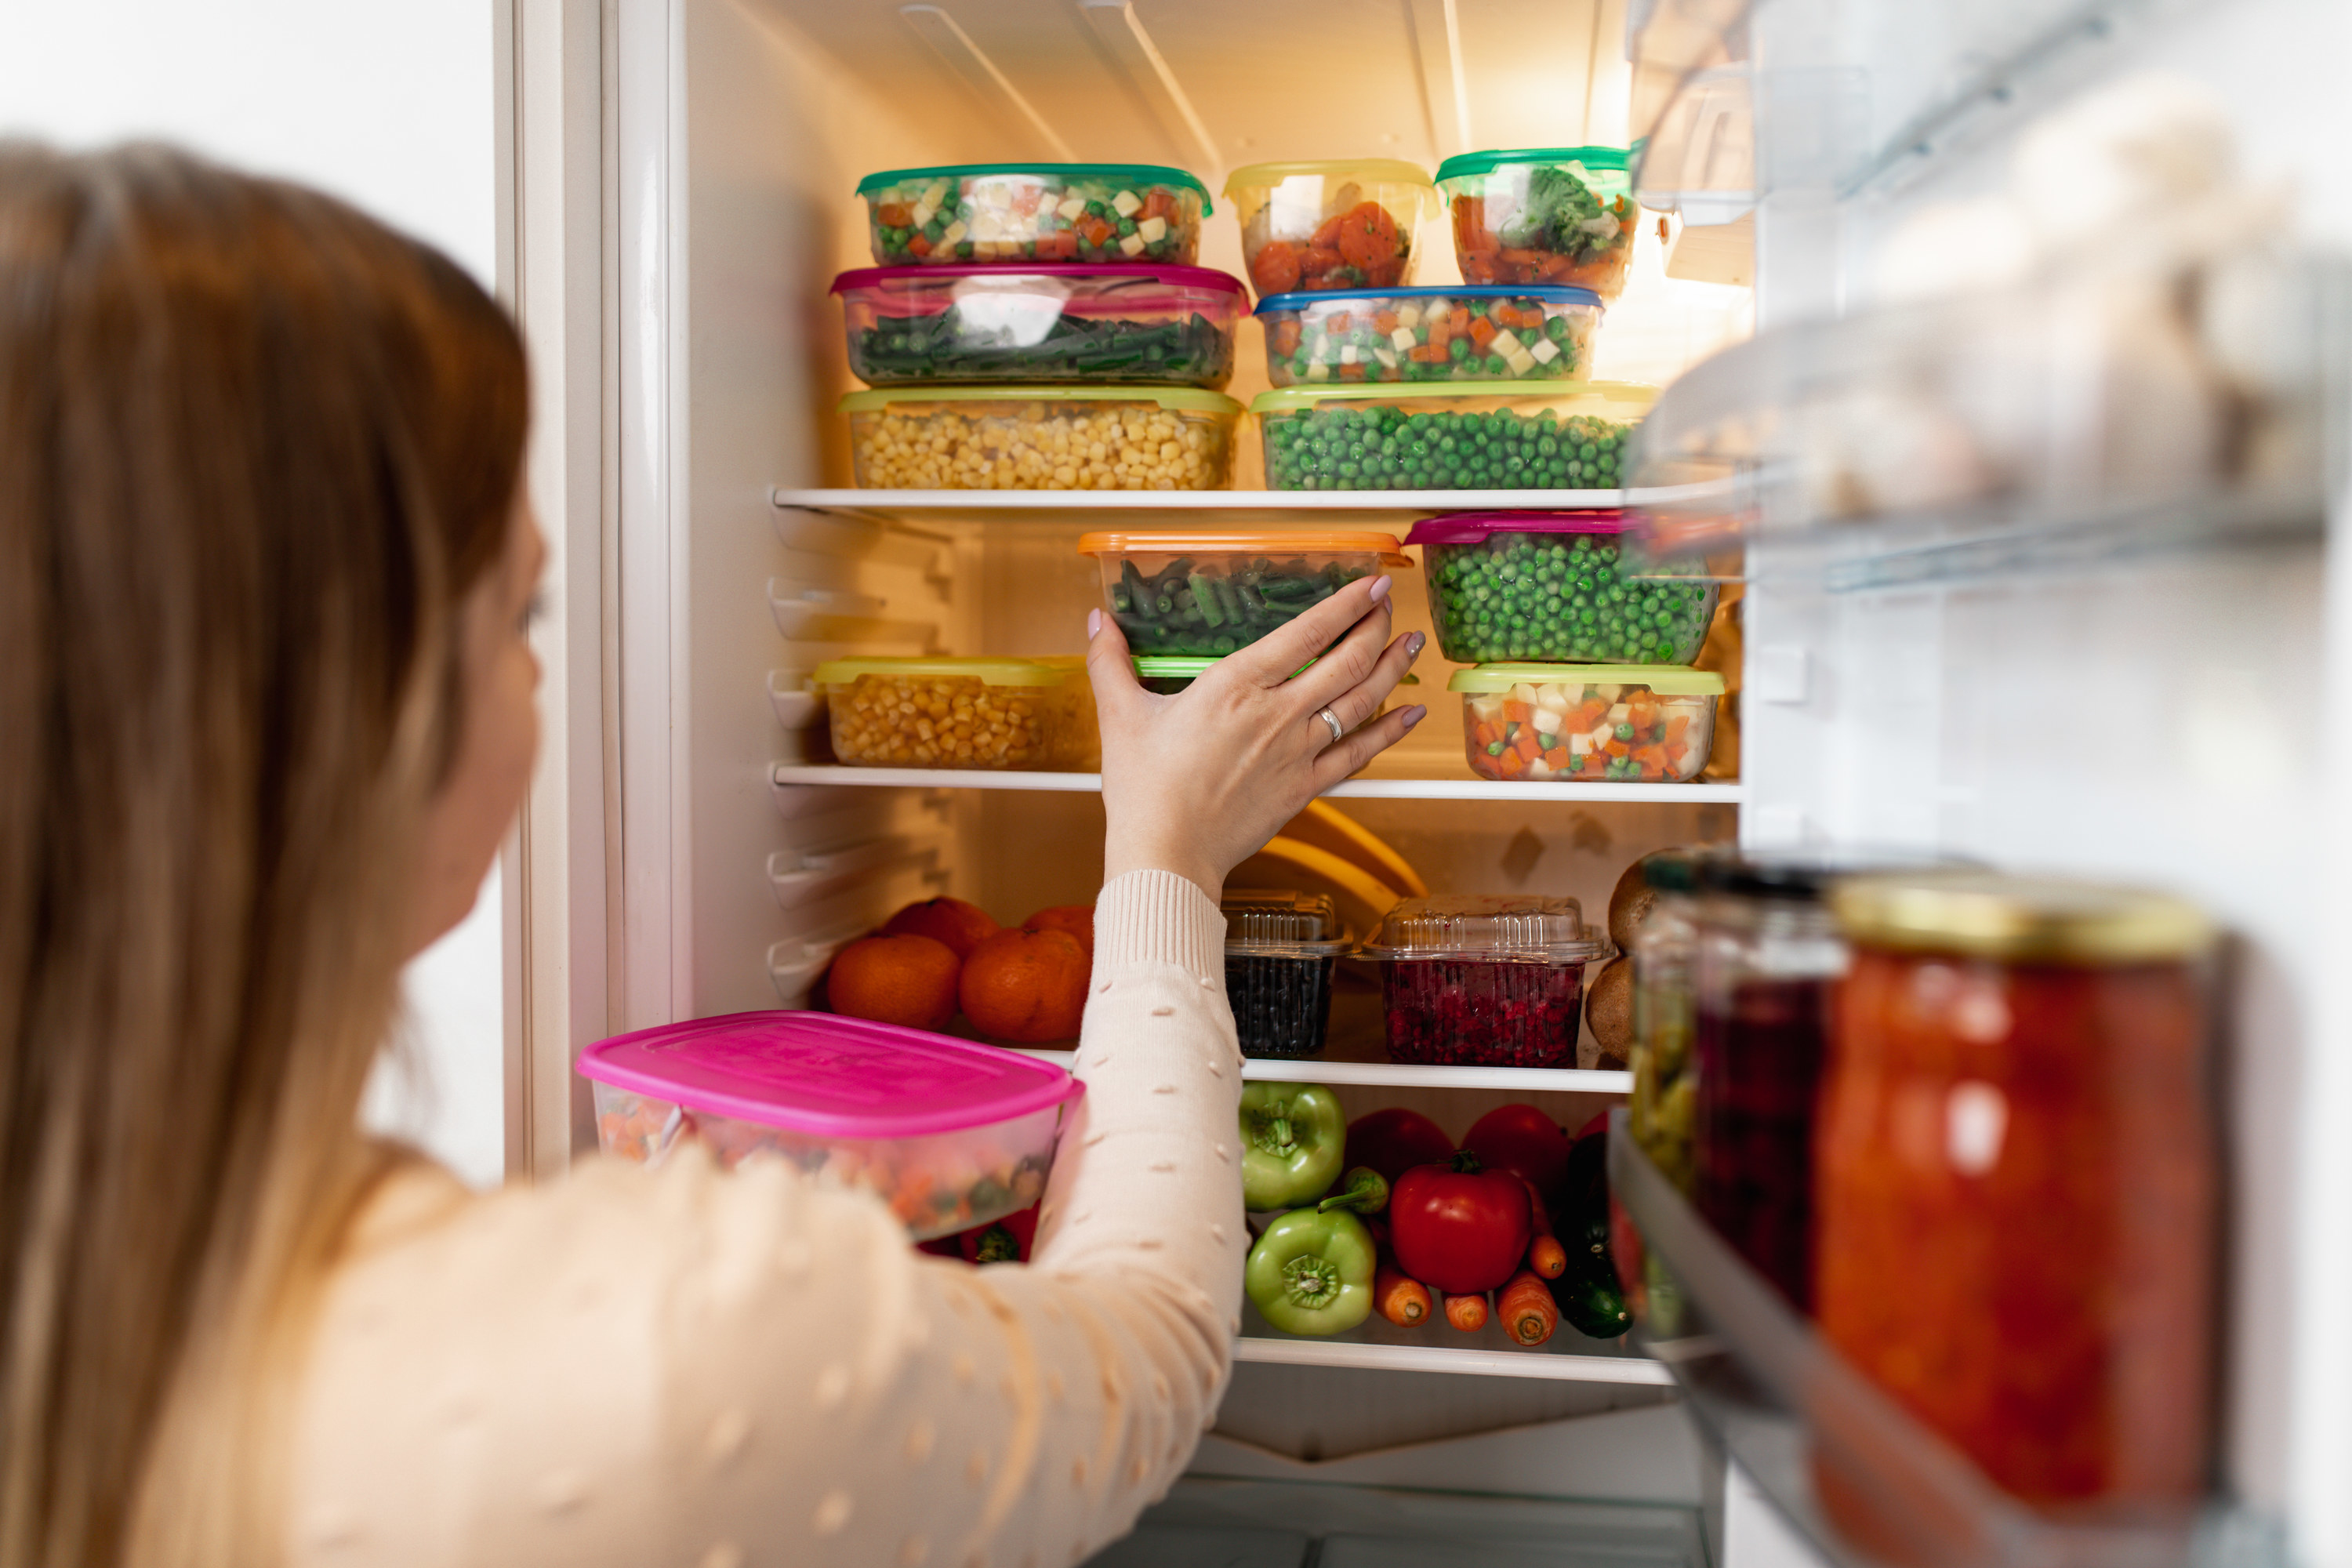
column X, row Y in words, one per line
column 1339, row 730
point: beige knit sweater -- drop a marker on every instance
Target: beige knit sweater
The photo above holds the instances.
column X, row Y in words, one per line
column 709, row 1370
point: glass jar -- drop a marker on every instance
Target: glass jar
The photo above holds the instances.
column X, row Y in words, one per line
column 1767, row 952
column 1664, row 951
column 2018, row 1178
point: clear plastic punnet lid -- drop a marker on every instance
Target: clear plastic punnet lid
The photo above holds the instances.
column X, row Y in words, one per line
column 1520, row 928
column 1125, row 174
column 829, row 1077
column 1190, row 397
column 1549, row 293
column 991, row 671
column 1271, row 922
column 1463, row 165
column 1667, row 679
column 1477, row 526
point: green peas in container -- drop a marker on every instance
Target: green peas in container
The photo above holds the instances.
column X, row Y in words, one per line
column 1466, row 436
column 1560, row 587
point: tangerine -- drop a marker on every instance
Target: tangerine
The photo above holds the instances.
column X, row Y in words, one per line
column 960, row 926
column 1079, row 919
column 904, row 979
column 1026, row 986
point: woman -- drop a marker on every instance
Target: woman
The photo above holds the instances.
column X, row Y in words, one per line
column 266, row 709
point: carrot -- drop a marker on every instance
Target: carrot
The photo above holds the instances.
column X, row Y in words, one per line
column 1338, row 322
column 1558, row 759
column 1675, row 724
column 1384, row 322
column 1482, row 332
column 1401, row 1301
column 1467, row 1313
column 1518, row 710
column 918, row 245
column 1529, row 1313
column 1545, row 1256
column 893, row 215
column 1327, row 237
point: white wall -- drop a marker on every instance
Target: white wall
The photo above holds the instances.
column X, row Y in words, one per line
column 388, row 105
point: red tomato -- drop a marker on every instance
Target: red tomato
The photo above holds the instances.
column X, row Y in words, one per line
column 1523, row 1138
column 1393, row 1141
column 1459, row 1230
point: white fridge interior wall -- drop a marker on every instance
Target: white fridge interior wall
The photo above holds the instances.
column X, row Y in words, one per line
column 395, row 114
column 2105, row 720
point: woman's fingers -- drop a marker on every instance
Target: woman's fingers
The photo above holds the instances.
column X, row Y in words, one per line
column 1344, row 757
column 1363, row 699
column 1347, row 665
column 1270, row 660
column 1108, row 668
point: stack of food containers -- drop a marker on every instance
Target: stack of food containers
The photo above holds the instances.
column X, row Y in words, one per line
column 1040, row 327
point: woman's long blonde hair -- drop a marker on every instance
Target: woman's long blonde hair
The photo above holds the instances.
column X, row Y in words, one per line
column 254, row 450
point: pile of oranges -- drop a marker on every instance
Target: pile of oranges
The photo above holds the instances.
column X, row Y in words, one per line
column 1023, row 984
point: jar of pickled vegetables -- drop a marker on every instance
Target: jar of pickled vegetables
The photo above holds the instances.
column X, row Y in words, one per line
column 1665, row 951
column 1767, row 952
column 2017, row 1178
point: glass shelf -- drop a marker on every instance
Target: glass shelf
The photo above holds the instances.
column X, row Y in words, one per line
column 1793, row 1413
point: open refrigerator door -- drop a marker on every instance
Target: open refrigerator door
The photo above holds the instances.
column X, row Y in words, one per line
column 2000, row 359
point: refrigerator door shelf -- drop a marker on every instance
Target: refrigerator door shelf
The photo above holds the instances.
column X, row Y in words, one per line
column 800, row 876
column 796, row 707
column 806, row 613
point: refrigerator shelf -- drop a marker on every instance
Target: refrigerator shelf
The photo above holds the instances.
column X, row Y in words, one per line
column 1381, row 1346
column 799, row 775
column 1788, row 1409
column 1306, row 508
column 1414, row 1075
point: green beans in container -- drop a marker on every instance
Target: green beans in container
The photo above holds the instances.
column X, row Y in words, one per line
column 1280, row 949
column 1206, row 593
column 1562, row 588
column 1470, row 436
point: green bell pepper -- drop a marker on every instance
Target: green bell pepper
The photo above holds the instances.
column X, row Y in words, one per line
column 1294, row 1142
column 1311, row 1273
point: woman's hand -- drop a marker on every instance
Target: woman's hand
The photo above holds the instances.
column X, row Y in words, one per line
column 1197, row 783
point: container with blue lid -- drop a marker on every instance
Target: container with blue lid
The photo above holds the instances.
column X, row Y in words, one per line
column 1347, row 336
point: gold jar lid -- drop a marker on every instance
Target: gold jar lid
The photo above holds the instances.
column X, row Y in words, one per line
column 2018, row 920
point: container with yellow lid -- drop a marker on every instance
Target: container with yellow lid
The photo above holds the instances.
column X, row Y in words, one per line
column 1344, row 222
column 1036, row 714
column 1208, row 592
column 2016, row 1181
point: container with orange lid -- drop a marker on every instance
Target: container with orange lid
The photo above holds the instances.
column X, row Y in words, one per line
column 1207, row 593
column 2015, row 1179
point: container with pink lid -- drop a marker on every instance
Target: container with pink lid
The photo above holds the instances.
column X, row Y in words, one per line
column 1062, row 325
column 1560, row 587
column 950, row 1133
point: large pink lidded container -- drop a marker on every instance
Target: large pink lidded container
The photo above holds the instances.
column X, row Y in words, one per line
column 950, row 1133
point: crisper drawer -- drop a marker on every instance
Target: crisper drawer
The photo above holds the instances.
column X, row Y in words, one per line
column 1246, row 1524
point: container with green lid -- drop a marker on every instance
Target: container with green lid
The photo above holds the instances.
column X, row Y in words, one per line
column 1042, row 437
column 1031, row 213
column 1543, row 214
column 1034, row 714
column 1340, row 223
column 1587, row 723
column 1471, row 435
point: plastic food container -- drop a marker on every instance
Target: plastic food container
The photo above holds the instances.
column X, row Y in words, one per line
column 1035, row 212
column 1500, row 434
column 1535, row 334
column 950, row 1133
column 1036, row 714
column 1043, row 438
column 1587, row 723
column 1159, row 326
column 1337, row 224
column 1206, row 593
column 1542, row 215
column 1484, row 982
column 1280, row 949
column 1575, row 587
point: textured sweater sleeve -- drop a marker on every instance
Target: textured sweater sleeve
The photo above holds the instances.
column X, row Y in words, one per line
column 691, row 1367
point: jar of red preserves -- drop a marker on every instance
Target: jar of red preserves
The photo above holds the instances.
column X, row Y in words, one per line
column 1767, row 951
column 2016, row 1174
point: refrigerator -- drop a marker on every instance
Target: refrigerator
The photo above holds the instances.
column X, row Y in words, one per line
column 2011, row 589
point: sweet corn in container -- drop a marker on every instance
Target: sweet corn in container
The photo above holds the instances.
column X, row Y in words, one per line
column 1014, row 714
column 1043, row 438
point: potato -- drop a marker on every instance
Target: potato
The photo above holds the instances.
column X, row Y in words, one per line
column 1629, row 902
column 1608, row 1012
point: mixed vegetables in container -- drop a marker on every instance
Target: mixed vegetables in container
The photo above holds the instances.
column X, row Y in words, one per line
column 1589, row 724
column 1347, row 224
column 1014, row 213
column 1543, row 214
column 1430, row 334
